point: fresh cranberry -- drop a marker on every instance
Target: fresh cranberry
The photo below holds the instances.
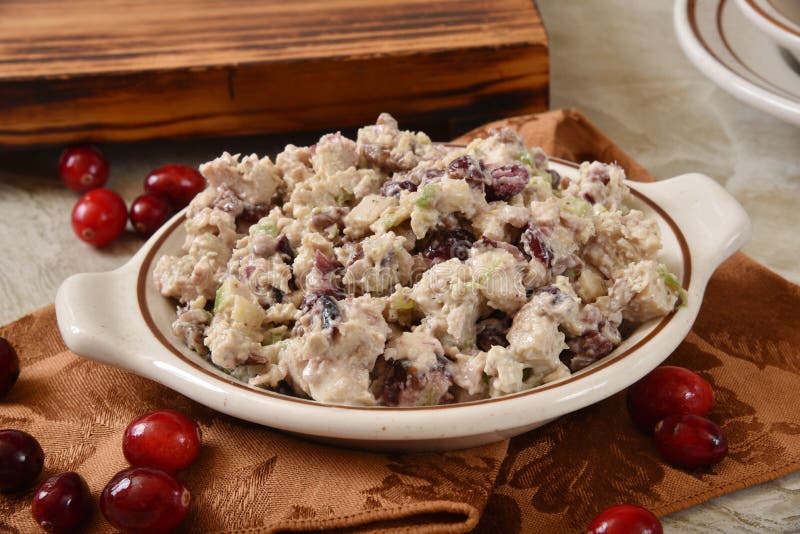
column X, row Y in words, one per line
column 668, row 390
column 625, row 519
column 9, row 366
column 164, row 439
column 21, row 460
column 62, row 503
column 690, row 441
column 144, row 500
column 177, row 183
column 83, row 168
column 148, row 213
column 99, row 217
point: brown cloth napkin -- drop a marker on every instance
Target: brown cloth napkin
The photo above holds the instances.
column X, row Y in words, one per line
column 746, row 342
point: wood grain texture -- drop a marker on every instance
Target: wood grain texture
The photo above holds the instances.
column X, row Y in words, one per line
column 127, row 70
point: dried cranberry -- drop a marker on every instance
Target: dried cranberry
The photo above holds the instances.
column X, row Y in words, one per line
column 164, row 439
column 668, row 390
column 400, row 384
column 252, row 213
column 83, row 168
column 492, row 332
column 324, row 264
column 393, row 189
column 62, row 503
column 21, row 460
column 625, row 519
column 327, row 217
column 447, row 244
column 9, row 367
column 143, row 499
column 555, row 178
column 284, row 247
column 329, row 310
column 534, row 244
column 690, row 441
column 587, row 349
column 469, row 169
column 507, row 181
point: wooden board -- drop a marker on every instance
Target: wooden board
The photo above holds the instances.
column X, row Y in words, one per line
column 113, row 70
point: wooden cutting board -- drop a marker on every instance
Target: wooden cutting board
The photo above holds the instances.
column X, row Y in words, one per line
column 121, row 70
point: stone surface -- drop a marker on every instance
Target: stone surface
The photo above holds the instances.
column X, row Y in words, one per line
column 615, row 60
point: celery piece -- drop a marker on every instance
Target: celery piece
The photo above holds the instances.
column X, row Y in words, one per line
column 267, row 228
column 671, row 282
column 577, row 206
column 426, row 196
column 222, row 299
column 526, row 158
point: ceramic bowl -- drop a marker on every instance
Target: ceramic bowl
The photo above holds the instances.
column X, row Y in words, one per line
column 779, row 19
column 119, row 318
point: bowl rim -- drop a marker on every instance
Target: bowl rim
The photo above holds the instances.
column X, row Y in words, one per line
column 142, row 280
column 758, row 9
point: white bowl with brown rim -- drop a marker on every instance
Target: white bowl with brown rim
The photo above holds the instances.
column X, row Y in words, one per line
column 120, row 319
column 779, row 19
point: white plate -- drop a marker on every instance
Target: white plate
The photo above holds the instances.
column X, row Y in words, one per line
column 737, row 56
column 779, row 19
column 119, row 318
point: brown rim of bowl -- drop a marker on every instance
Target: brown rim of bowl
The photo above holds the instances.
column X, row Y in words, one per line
column 779, row 23
column 602, row 364
column 764, row 83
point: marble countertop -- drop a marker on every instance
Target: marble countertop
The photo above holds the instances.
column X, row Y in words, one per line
column 615, row 60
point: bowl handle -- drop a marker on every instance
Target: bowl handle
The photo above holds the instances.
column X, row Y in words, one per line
column 97, row 316
column 714, row 223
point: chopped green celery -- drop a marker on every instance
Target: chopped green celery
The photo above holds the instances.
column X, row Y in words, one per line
column 426, row 196
column 275, row 335
column 577, row 206
column 222, row 299
column 344, row 197
column 267, row 228
column 671, row 282
column 403, row 304
column 526, row 158
column 389, row 222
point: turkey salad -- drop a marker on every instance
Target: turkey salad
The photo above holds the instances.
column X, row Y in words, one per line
column 394, row 271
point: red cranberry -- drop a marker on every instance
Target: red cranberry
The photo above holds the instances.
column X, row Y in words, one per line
column 446, row 244
column 142, row 499
column 535, row 245
column 148, row 213
column 164, row 439
column 177, row 183
column 99, row 217
column 9, row 366
column 62, row 503
column 690, row 441
column 625, row 519
column 83, row 168
column 21, row 460
column 668, row 390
